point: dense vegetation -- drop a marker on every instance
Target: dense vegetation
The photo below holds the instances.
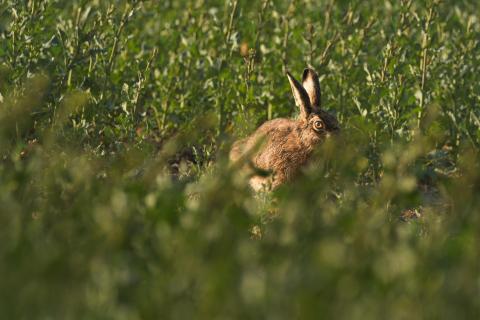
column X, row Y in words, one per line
column 117, row 200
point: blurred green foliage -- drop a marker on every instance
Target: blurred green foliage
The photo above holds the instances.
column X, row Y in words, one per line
column 116, row 199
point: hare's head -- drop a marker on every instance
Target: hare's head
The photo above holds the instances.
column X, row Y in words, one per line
column 317, row 123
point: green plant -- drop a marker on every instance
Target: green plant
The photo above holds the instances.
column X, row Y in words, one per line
column 117, row 201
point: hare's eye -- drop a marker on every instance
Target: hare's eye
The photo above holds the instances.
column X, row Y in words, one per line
column 318, row 125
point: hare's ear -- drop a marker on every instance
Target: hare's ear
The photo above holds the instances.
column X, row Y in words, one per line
column 301, row 97
column 312, row 86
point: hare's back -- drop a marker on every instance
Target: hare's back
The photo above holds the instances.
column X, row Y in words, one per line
column 273, row 131
column 278, row 126
column 238, row 149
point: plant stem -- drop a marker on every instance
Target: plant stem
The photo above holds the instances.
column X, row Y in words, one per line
column 424, row 60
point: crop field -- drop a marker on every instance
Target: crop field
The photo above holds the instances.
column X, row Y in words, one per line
column 118, row 201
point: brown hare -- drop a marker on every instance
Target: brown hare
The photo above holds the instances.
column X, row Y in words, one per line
column 281, row 146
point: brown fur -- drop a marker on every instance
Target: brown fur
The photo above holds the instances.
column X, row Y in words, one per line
column 282, row 146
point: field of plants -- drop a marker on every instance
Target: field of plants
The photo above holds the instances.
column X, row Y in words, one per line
column 117, row 200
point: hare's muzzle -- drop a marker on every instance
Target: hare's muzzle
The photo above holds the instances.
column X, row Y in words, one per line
column 333, row 133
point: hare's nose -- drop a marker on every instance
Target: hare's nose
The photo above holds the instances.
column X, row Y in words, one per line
column 333, row 133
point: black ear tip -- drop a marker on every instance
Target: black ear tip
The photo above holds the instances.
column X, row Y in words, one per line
column 309, row 72
column 292, row 79
column 305, row 73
